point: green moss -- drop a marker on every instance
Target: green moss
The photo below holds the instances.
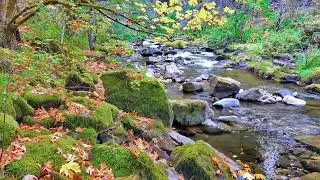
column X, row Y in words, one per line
column 81, row 100
column 157, row 129
column 147, row 96
column 81, row 80
column 89, row 134
column 150, row 170
column 35, row 133
column 10, row 127
column 124, row 163
column 47, row 122
column 119, row 159
column 179, row 44
column 39, row 153
column 21, row 107
column 9, row 105
column 128, row 121
column 40, row 100
column 101, row 118
column 106, row 113
column 194, row 161
column 120, row 131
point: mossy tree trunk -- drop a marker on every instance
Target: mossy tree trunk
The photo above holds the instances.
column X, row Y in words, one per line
column 6, row 36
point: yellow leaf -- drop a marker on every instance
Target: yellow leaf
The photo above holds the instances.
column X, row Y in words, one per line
column 259, row 177
column 70, row 168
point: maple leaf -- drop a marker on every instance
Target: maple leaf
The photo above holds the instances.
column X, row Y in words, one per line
column 69, row 169
column 46, row 170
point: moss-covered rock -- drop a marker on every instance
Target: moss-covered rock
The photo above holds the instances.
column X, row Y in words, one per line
column 80, row 81
column 313, row 88
column 119, row 159
column 194, row 161
column 9, row 105
column 190, row 112
column 41, row 100
column 99, row 119
column 151, row 170
column 145, row 96
column 22, row 108
column 178, row 44
column 39, row 153
column 10, row 127
column 89, row 134
column 124, row 163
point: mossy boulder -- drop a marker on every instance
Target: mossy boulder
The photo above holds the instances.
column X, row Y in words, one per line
column 10, row 109
column 145, row 96
column 77, row 81
column 124, row 163
column 10, row 127
column 99, row 119
column 36, row 99
column 22, row 108
column 195, row 161
column 190, row 112
column 119, row 159
column 89, row 134
column 39, row 153
column 313, row 88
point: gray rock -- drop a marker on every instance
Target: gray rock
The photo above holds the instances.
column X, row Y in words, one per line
column 312, row 165
column 188, row 112
column 173, row 174
column 153, row 60
column 172, row 71
column 211, row 127
column 284, row 92
column 312, row 141
column 294, row 101
column 227, row 103
column 221, row 87
column 192, row 86
column 313, row 88
column 228, row 119
column 29, row 177
column 311, row 176
column 257, row 95
column 180, row 139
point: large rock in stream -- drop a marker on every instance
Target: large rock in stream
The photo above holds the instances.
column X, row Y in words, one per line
column 257, row 95
column 221, row 87
column 145, row 96
column 294, row 101
column 188, row 112
column 196, row 161
column 313, row 88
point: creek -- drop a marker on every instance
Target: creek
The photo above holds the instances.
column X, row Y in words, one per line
column 272, row 128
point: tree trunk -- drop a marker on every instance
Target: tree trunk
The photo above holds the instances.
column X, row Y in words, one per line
column 6, row 36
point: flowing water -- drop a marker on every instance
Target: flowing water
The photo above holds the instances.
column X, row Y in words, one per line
column 272, row 127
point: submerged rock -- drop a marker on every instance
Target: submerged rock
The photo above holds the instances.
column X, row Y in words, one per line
column 211, row 127
column 146, row 96
column 294, row 101
column 172, row 71
column 311, row 141
column 257, row 95
column 227, row 103
column 188, row 112
column 228, row 119
column 313, row 88
column 311, row 176
column 221, row 87
column 194, row 161
column 192, row 86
